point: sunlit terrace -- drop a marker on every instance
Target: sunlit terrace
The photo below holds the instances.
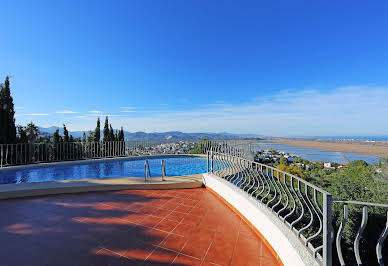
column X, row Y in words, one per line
column 129, row 227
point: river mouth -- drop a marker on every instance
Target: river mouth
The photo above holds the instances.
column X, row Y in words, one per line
column 314, row 155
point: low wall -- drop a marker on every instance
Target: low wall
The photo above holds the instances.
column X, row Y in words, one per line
column 8, row 191
column 288, row 248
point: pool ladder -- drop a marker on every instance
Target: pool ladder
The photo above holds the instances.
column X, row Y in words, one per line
column 163, row 170
column 147, row 171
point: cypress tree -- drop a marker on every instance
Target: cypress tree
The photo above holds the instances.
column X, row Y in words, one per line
column 71, row 139
column 32, row 132
column 22, row 134
column 121, row 135
column 65, row 134
column 111, row 133
column 97, row 131
column 56, row 136
column 7, row 114
column 84, row 138
column 106, row 130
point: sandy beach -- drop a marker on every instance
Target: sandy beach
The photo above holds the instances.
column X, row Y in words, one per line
column 365, row 148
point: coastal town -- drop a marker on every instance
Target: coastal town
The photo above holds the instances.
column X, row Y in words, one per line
column 178, row 147
column 274, row 157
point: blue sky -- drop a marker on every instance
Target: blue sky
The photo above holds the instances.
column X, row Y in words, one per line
column 266, row 67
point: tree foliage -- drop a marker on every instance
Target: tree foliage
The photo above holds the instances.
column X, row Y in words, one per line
column 7, row 114
column 97, row 131
column 106, row 130
column 32, row 132
column 65, row 134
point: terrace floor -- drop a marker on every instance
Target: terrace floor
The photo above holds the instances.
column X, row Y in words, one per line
column 131, row 227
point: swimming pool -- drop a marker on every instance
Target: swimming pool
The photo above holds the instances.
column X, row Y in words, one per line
column 126, row 167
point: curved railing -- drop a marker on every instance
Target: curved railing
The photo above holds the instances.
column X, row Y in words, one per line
column 305, row 208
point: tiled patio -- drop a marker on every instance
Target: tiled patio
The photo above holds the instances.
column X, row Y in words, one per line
column 133, row 227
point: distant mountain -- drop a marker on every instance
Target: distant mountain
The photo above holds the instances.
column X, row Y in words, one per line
column 157, row 136
column 51, row 130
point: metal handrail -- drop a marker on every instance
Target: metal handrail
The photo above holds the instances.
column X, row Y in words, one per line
column 147, row 171
column 163, row 170
column 305, row 208
column 364, row 221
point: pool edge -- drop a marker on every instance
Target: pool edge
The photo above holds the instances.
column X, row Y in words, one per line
column 12, row 191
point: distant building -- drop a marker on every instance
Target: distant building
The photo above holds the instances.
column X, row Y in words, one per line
column 327, row 166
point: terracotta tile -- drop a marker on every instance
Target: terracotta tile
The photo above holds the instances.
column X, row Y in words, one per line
column 169, row 206
column 270, row 261
column 160, row 257
column 118, row 221
column 158, row 203
column 183, row 209
column 152, row 236
column 265, row 251
column 184, row 229
column 134, row 217
column 101, row 258
column 176, row 216
column 198, row 211
column 139, row 251
column 208, row 263
column 229, row 225
column 189, row 202
column 247, row 231
column 191, row 220
column 176, row 200
column 135, row 207
column 161, row 213
column 174, row 242
column 210, row 222
column 148, row 210
column 182, row 259
column 150, row 221
column 52, row 229
column 166, row 225
column 199, row 243
column 247, row 250
column 221, row 249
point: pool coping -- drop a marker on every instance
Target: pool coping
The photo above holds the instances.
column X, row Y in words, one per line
column 11, row 191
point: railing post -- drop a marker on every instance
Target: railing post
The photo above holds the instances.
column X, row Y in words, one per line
column 207, row 162
column 1, row 162
column 212, row 160
column 327, row 229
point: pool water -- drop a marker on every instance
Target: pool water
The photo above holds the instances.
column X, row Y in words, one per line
column 175, row 166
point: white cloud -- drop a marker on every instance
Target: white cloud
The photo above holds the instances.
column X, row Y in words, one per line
column 66, row 112
column 128, row 111
column 36, row 114
column 352, row 110
column 128, row 107
column 95, row 112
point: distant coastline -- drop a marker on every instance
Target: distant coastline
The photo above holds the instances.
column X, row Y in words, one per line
column 365, row 147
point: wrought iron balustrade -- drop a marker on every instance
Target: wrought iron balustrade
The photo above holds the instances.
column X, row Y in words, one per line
column 303, row 207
